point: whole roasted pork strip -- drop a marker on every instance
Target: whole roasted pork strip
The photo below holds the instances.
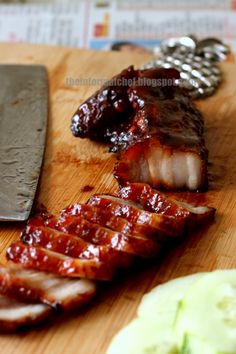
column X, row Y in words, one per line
column 154, row 125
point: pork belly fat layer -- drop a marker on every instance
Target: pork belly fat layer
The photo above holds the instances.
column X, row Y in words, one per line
column 35, row 286
column 162, row 167
column 15, row 314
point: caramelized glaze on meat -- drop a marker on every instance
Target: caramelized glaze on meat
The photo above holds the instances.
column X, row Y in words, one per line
column 105, row 110
column 128, row 245
column 37, row 233
column 156, row 202
column 153, row 225
column 35, row 257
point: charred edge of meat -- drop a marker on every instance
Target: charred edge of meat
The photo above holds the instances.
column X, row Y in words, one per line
column 105, row 110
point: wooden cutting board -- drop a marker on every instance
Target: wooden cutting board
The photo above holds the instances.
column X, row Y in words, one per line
column 70, row 164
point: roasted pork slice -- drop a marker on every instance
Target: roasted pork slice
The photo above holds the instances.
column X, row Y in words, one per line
column 132, row 245
column 100, row 216
column 106, row 218
column 71, row 245
column 156, row 202
column 156, row 226
column 34, row 286
column 15, row 314
column 42, row 259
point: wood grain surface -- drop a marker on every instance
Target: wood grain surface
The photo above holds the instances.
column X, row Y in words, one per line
column 72, row 163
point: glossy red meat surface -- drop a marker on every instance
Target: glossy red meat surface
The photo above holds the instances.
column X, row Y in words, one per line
column 153, row 225
column 156, row 202
column 91, row 232
column 103, row 217
column 42, row 259
column 108, row 217
column 72, row 245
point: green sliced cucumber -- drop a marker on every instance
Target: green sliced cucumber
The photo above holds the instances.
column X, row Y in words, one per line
column 152, row 332
column 143, row 336
column 194, row 345
column 161, row 303
column 208, row 312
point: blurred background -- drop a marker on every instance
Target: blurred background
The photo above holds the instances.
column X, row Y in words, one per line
column 115, row 24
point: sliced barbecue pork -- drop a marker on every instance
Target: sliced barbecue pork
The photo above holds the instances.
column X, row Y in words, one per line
column 58, row 259
column 91, row 232
column 156, row 202
column 71, row 245
column 106, row 217
column 34, row 286
column 15, row 314
column 42, row 259
column 103, row 217
column 156, row 226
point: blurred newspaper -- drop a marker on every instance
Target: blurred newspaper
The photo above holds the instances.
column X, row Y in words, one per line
column 98, row 24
